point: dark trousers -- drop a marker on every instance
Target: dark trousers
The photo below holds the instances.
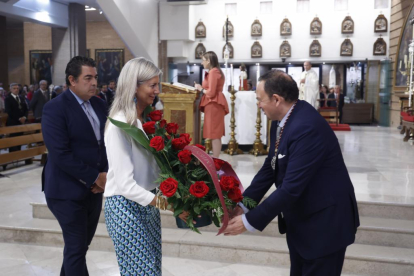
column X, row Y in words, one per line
column 330, row 265
column 78, row 220
column 15, row 148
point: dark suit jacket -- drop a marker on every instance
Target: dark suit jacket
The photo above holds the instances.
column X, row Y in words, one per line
column 334, row 103
column 75, row 158
column 38, row 102
column 314, row 191
column 109, row 97
column 13, row 111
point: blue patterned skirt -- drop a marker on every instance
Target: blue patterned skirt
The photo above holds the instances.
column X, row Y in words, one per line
column 136, row 233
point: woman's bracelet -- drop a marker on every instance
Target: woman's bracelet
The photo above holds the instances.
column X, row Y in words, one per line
column 160, row 203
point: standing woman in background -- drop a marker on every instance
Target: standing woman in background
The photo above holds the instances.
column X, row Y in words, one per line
column 213, row 103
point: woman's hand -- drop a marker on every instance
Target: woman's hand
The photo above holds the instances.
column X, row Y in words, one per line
column 198, row 86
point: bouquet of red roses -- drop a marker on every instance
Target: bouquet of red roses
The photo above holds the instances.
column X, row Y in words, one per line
column 188, row 182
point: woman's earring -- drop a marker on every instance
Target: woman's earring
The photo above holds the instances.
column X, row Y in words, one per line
column 135, row 100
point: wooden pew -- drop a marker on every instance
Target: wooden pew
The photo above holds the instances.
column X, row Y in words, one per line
column 331, row 114
column 31, row 136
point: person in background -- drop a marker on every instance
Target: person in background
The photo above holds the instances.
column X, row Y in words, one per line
column 16, row 109
column 323, row 94
column 57, row 91
column 112, row 87
column 105, row 94
column 40, row 98
column 64, row 87
column 30, row 92
column 336, row 99
column 213, row 103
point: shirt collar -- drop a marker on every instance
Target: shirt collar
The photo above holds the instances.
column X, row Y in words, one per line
column 80, row 101
column 283, row 121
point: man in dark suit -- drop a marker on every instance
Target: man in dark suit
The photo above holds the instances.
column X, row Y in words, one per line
column 105, row 94
column 74, row 176
column 336, row 99
column 112, row 86
column 16, row 109
column 40, row 98
column 314, row 200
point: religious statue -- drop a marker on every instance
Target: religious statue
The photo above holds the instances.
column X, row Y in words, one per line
column 243, row 78
column 332, row 77
column 315, row 49
column 285, row 27
column 309, row 85
column 316, row 26
column 380, row 47
column 381, row 24
column 285, row 50
column 347, row 48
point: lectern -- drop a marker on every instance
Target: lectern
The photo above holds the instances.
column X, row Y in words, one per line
column 181, row 106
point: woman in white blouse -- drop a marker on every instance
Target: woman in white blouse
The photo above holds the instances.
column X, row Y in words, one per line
column 132, row 220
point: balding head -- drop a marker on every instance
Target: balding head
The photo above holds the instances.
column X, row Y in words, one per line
column 280, row 83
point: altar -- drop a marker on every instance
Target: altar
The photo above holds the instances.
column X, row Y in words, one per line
column 245, row 112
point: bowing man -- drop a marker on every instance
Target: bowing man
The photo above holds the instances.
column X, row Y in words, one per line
column 314, row 200
column 74, row 176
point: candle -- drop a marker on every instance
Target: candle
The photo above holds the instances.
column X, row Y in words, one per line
column 258, row 74
column 405, row 60
column 231, row 74
column 400, row 63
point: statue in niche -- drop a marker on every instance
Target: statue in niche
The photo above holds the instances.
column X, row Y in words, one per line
column 256, row 50
column 380, row 47
column 231, row 50
column 315, row 49
column 316, row 26
column 200, row 30
column 231, row 29
column 199, row 51
column 285, row 49
column 348, row 25
column 347, row 48
column 256, row 29
column 381, row 24
column 285, row 27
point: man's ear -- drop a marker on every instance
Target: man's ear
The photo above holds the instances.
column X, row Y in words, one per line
column 72, row 80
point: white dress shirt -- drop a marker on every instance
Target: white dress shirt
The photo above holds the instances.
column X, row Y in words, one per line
column 246, row 223
column 132, row 169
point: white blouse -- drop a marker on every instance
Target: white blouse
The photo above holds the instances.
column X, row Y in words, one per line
column 132, row 169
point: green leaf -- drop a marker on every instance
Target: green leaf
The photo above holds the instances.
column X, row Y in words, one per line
column 160, row 132
column 216, row 220
column 249, row 203
column 197, row 209
column 178, row 211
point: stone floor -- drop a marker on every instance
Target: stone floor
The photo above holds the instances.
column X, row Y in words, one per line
column 379, row 163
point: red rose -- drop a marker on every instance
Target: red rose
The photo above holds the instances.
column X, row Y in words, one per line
column 168, row 137
column 186, row 138
column 178, row 143
column 157, row 143
column 172, row 128
column 227, row 183
column 235, row 195
column 163, row 123
column 199, row 189
column 200, row 147
column 184, row 156
column 149, row 127
column 155, row 115
column 218, row 163
column 168, row 187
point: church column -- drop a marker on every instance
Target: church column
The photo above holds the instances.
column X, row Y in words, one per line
column 68, row 42
column 4, row 64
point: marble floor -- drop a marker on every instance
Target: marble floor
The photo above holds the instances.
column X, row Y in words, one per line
column 379, row 162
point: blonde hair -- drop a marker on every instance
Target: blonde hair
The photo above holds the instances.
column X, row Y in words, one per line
column 140, row 70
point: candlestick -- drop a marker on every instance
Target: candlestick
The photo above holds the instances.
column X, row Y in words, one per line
column 231, row 74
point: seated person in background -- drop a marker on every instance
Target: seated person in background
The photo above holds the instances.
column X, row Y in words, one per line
column 249, row 85
column 57, row 91
column 338, row 102
column 323, row 95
